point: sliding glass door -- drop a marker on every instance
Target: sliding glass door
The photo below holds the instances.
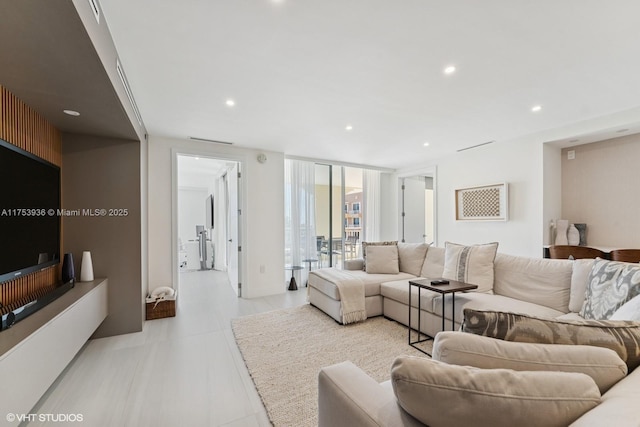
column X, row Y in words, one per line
column 329, row 214
column 338, row 203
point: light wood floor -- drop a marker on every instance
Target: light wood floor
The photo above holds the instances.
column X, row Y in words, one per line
column 181, row 371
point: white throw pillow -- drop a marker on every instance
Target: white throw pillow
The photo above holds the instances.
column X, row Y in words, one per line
column 629, row 311
column 470, row 264
column 440, row 395
column 579, row 277
column 382, row 260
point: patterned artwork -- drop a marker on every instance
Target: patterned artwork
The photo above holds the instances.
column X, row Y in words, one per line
column 482, row 203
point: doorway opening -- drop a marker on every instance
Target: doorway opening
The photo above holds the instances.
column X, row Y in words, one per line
column 207, row 225
column 417, row 209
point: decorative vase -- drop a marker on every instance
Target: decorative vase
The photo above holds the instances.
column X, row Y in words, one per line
column 86, row 269
column 582, row 229
column 573, row 235
column 552, row 232
column 562, row 226
column 68, row 270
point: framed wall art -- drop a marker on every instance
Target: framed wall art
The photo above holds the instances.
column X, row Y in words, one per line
column 482, row 203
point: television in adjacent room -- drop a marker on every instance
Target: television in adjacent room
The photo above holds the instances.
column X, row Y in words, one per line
column 209, row 210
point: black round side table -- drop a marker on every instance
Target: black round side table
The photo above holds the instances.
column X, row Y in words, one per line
column 293, row 286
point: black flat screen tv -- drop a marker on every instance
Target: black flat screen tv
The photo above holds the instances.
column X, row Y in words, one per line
column 29, row 207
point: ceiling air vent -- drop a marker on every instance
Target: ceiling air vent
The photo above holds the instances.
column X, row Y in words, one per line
column 127, row 90
column 475, row 146
column 210, row 140
column 95, row 8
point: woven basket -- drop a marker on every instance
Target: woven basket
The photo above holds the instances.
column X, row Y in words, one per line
column 165, row 308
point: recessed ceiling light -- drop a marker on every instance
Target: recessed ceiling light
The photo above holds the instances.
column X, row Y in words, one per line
column 450, row 69
column 197, row 158
column 349, row 127
column 426, row 144
column 536, row 108
column 230, row 102
column 622, row 130
column 574, row 140
column 71, row 112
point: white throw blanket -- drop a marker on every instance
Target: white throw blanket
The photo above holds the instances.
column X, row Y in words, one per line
column 351, row 290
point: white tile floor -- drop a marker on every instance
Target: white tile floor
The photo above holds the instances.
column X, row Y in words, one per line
column 185, row 370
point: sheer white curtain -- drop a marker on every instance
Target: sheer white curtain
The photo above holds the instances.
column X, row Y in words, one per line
column 372, row 211
column 300, row 209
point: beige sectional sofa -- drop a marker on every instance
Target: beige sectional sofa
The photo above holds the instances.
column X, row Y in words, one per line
column 544, row 288
column 538, row 287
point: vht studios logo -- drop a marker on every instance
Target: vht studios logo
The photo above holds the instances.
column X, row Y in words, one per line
column 52, row 418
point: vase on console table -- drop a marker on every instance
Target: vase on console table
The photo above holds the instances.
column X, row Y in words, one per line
column 562, row 227
column 68, row 271
column 582, row 229
column 86, row 268
column 573, row 235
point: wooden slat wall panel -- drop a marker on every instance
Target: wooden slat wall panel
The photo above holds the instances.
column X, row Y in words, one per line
column 22, row 126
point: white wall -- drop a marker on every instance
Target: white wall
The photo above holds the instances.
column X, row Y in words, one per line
column 389, row 213
column 191, row 208
column 518, row 164
column 263, row 213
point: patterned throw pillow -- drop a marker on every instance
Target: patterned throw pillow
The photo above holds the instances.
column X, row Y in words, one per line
column 609, row 286
column 364, row 249
column 470, row 264
column 623, row 337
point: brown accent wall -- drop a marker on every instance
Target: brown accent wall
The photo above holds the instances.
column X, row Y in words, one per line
column 600, row 189
column 105, row 173
column 23, row 127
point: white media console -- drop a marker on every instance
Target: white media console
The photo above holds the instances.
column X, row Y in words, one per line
column 34, row 351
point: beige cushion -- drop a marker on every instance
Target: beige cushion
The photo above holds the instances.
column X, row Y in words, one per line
column 433, row 266
column 470, row 264
column 540, row 281
column 621, row 336
column 412, row 257
column 485, row 301
column 609, row 286
column 460, row 348
column 439, row 395
column 323, row 279
column 382, row 259
column 398, row 290
column 579, row 276
column 365, row 245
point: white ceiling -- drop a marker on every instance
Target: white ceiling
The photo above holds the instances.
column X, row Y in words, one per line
column 301, row 70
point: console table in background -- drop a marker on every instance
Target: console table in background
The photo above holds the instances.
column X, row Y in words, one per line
column 34, row 351
column 605, row 249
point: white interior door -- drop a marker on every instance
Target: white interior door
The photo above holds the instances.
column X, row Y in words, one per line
column 413, row 200
column 232, row 227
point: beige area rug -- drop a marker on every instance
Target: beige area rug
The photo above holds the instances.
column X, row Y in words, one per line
column 285, row 349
